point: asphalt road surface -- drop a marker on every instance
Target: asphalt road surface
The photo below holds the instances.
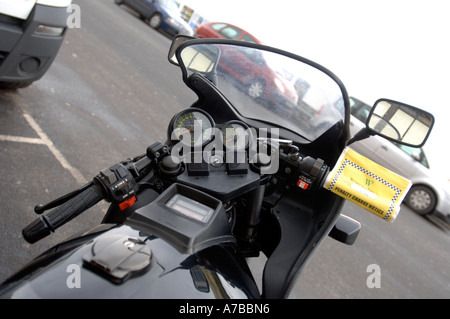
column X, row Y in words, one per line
column 111, row 93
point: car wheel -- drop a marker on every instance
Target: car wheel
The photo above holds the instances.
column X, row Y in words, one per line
column 256, row 89
column 421, row 199
column 155, row 21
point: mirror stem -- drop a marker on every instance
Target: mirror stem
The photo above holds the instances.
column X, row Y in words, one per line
column 361, row 135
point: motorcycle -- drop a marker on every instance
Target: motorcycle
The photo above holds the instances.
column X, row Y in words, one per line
column 241, row 173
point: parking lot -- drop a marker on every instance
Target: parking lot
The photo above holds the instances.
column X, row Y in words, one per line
column 109, row 94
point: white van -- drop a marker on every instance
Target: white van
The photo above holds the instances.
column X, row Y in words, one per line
column 31, row 33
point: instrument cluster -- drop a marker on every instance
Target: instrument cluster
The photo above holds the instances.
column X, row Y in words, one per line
column 196, row 128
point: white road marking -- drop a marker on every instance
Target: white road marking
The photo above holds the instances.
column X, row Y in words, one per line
column 45, row 140
column 20, row 139
column 42, row 140
column 58, row 155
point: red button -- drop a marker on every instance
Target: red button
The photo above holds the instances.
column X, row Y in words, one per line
column 128, row 203
column 302, row 184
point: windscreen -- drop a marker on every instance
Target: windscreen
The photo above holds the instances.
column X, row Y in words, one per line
column 269, row 86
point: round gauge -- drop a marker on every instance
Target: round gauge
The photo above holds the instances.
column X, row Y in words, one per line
column 236, row 135
column 192, row 127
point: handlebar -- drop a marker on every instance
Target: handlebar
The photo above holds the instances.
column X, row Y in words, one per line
column 47, row 224
column 116, row 184
column 119, row 183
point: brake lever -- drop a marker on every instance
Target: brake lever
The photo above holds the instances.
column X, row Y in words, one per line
column 40, row 209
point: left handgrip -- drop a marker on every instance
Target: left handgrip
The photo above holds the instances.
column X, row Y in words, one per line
column 48, row 223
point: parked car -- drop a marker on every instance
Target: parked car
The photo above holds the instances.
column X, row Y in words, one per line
column 160, row 14
column 224, row 31
column 428, row 193
column 261, row 80
column 31, row 33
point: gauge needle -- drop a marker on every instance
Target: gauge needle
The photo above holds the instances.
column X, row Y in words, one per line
column 234, row 138
column 187, row 131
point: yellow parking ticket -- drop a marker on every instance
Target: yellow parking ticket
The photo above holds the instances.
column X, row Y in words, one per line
column 367, row 184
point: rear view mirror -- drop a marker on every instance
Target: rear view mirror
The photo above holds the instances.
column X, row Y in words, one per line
column 400, row 123
column 177, row 41
column 194, row 57
column 199, row 58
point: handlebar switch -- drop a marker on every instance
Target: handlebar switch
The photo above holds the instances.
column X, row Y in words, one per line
column 312, row 173
column 117, row 182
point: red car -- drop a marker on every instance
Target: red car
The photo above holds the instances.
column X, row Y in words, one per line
column 252, row 70
column 224, row 31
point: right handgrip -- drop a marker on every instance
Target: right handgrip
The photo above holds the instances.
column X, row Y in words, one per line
column 48, row 223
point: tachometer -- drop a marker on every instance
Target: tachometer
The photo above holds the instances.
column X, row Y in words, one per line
column 236, row 135
column 192, row 127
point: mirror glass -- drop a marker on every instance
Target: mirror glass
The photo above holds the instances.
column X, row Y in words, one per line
column 400, row 122
column 177, row 41
column 198, row 59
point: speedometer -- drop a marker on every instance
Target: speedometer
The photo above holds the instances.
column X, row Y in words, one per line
column 192, row 127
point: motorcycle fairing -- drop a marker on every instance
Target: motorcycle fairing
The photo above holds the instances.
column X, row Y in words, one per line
column 302, row 228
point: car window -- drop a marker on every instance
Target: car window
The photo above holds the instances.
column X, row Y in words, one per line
column 169, row 4
column 218, row 26
column 230, row 33
column 247, row 38
column 359, row 110
column 417, row 153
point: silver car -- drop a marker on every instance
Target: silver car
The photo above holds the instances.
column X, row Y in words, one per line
column 428, row 193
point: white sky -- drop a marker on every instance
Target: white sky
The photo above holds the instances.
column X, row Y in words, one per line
column 398, row 49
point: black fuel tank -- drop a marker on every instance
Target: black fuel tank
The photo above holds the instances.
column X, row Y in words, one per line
column 120, row 263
